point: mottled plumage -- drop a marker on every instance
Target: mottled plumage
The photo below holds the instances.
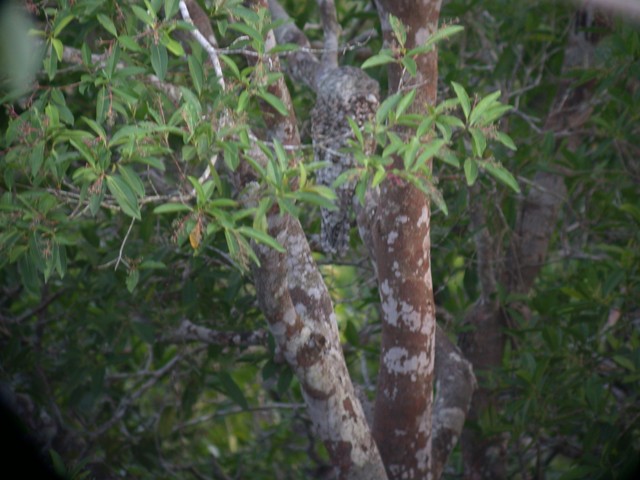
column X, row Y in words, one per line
column 343, row 92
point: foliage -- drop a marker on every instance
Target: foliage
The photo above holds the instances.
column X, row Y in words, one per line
column 111, row 235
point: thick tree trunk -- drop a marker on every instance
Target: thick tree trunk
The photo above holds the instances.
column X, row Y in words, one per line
column 402, row 248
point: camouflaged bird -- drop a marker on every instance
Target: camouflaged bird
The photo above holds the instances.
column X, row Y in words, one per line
column 342, row 93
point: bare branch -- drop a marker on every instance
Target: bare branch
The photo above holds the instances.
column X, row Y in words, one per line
column 129, row 400
column 190, row 332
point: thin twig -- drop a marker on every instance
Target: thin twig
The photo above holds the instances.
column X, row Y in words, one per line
column 123, row 243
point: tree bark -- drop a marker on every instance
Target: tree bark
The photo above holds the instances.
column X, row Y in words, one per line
column 402, row 248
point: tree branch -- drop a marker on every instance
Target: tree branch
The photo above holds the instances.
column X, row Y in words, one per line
column 190, row 332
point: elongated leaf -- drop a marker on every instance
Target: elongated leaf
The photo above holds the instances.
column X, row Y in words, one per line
column 411, row 65
column 379, row 59
column 439, row 35
column 503, row 175
column 506, row 140
column 172, row 208
column 232, row 389
column 62, row 20
column 132, row 179
column 479, row 141
column 250, row 32
column 143, row 15
column 159, row 60
column 313, row 198
column 36, row 158
column 84, row 150
column 124, row 196
column 470, row 171
column 197, row 74
column 172, row 45
column 386, row 106
column 261, row 237
column 129, row 43
column 463, row 98
column 107, row 24
column 405, row 102
column 482, row 106
column 274, row 101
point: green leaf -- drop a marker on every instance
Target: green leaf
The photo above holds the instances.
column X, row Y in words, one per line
column 356, row 131
column 107, row 24
column 313, row 198
column 200, row 195
column 58, row 47
column 58, row 463
column 124, row 196
column 430, row 150
column 132, row 279
column 503, row 175
column 96, row 127
column 284, row 380
column 60, row 259
column 172, row 208
column 624, row 362
column 251, row 33
column 142, row 14
column 112, row 62
column 451, row 121
column 376, row 60
column 470, row 171
column 274, row 101
column 493, row 113
column 378, row 177
column 197, row 74
column 172, row 45
column 281, row 155
column 132, row 179
column 405, row 102
column 463, row 98
column 152, row 265
column 506, row 140
column 159, row 60
column 447, row 156
column 129, row 43
column 482, row 107
column 62, row 20
column 261, row 237
column 51, row 64
column 399, row 29
column 84, row 150
column 36, row 158
column 232, row 390
column 410, row 152
column 170, row 8
column 386, row 106
column 479, row 142
column 411, row 65
column 102, row 104
column 439, row 35
column 232, row 65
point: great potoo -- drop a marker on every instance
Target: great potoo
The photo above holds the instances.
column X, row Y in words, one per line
column 342, row 93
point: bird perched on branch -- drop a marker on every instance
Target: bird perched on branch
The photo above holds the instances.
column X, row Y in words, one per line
column 342, row 93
